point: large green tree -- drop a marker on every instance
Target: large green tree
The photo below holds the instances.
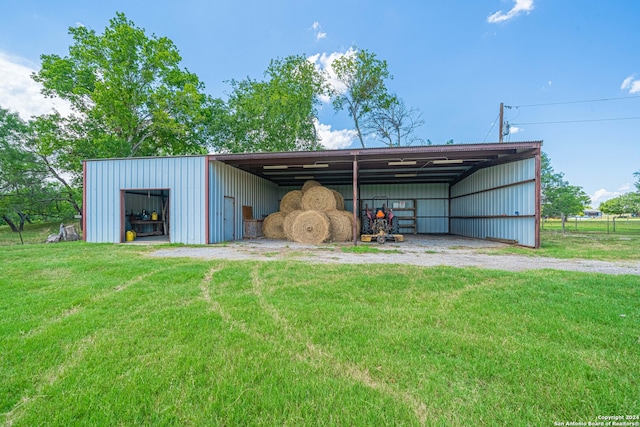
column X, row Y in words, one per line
column 628, row 203
column 559, row 198
column 24, row 189
column 276, row 114
column 53, row 145
column 362, row 76
column 128, row 93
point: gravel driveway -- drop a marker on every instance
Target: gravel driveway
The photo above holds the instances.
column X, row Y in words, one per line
column 425, row 251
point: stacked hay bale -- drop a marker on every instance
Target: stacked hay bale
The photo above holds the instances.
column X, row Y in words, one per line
column 315, row 214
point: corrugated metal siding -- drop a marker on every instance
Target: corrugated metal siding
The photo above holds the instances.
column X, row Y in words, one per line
column 496, row 176
column 137, row 203
column 501, row 201
column 246, row 189
column 184, row 177
column 404, row 191
column 497, row 202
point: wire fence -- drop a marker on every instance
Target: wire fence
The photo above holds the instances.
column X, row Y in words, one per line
column 604, row 225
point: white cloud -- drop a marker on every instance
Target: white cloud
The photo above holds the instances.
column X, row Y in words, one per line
column 21, row 94
column 515, row 129
column 317, row 29
column 602, row 195
column 631, row 84
column 335, row 139
column 324, row 62
column 521, row 6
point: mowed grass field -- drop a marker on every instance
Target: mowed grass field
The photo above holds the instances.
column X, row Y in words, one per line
column 94, row 334
column 608, row 224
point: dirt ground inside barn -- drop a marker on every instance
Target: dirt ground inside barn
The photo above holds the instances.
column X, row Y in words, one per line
column 421, row 250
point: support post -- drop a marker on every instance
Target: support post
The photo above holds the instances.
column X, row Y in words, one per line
column 355, row 202
column 501, row 121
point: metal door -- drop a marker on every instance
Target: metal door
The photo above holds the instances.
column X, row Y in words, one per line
column 229, row 219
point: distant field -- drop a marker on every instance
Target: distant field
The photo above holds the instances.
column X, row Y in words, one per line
column 596, row 225
column 99, row 334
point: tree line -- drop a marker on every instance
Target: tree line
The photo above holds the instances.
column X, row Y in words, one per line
column 625, row 204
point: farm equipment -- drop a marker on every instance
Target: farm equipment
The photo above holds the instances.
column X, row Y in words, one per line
column 380, row 225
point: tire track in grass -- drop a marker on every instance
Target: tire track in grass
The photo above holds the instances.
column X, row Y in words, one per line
column 97, row 297
column 217, row 308
column 317, row 354
column 55, row 373
column 49, row 378
column 313, row 355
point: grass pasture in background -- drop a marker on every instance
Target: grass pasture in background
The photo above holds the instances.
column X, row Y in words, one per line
column 607, row 225
column 603, row 247
column 97, row 334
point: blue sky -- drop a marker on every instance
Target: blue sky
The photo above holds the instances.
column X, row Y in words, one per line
column 453, row 60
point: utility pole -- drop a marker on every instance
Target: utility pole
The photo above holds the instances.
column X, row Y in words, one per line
column 501, row 120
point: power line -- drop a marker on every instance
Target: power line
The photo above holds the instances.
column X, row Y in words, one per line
column 577, row 121
column 491, row 128
column 575, row 102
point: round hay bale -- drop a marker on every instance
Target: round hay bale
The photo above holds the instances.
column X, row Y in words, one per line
column 358, row 223
column 350, row 215
column 318, row 199
column 288, row 223
column 341, row 225
column 311, row 227
column 339, row 200
column 272, row 226
column 310, row 184
column 291, row 201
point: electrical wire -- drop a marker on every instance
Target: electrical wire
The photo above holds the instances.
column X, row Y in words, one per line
column 575, row 102
column 491, row 128
column 577, row 121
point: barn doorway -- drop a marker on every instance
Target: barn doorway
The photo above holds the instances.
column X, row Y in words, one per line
column 145, row 212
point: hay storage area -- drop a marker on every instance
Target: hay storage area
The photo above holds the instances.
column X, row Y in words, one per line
column 311, row 227
column 314, row 214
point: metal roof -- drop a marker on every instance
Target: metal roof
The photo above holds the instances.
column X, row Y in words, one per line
column 397, row 165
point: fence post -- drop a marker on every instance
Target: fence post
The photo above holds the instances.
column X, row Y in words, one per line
column 614, row 224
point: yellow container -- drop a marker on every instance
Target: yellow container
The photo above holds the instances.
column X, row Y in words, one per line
column 129, row 236
column 154, row 216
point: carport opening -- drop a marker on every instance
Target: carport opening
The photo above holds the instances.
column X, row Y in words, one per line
column 145, row 215
column 485, row 191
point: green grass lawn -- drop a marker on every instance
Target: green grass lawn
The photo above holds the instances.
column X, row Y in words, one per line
column 94, row 334
column 604, row 247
